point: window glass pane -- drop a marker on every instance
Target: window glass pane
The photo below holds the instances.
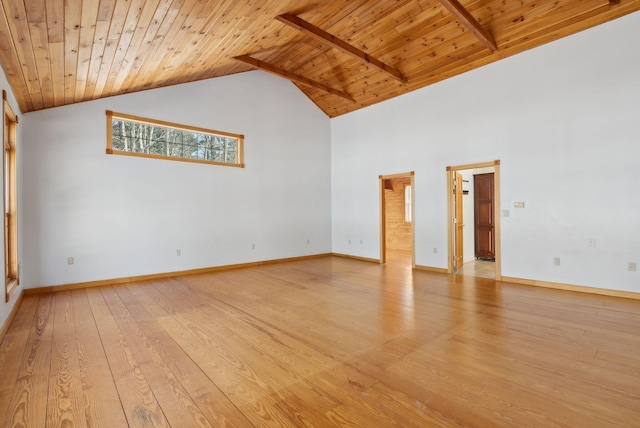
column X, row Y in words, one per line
column 138, row 136
column 7, row 185
column 407, row 204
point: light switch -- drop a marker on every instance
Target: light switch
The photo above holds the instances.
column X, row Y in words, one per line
column 518, row 205
column 505, row 213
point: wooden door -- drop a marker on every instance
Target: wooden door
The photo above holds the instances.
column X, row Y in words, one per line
column 459, row 224
column 484, row 216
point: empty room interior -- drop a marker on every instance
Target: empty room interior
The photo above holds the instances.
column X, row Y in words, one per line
column 300, row 213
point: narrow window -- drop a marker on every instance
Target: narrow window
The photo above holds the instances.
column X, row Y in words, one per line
column 138, row 136
column 10, row 199
column 407, row 204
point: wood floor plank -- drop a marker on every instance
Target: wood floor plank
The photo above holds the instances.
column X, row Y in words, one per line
column 322, row 342
column 140, row 405
column 339, row 335
column 558, row 375
column 464, row 399
column 287, row 352
column 392, row 409
column 509, row 387
column 580, row 364
column 217, row 408
column 251, row 390
column 235, row 370
column 175, row 401
column 281, row 348
column 28, row 405
column 12, row 350
column 65, row 385
column 102, row 405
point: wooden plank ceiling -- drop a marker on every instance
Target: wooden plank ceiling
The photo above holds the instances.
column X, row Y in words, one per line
column 343, row 54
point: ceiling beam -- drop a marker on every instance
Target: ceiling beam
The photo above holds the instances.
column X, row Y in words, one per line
column 270, row 68
column 470, row 23
column 333, row 41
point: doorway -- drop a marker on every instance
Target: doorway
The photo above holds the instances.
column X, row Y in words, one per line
column 397, row 207
column 473, row 219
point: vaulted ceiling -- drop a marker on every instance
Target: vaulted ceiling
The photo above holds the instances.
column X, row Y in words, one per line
column 343, row 54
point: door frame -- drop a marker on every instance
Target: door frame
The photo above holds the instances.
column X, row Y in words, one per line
column 458, row 228
column 451, row 173
column 383, row 216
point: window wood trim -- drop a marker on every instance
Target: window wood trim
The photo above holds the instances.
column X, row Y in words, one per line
column 131, row 118
column 9, row 141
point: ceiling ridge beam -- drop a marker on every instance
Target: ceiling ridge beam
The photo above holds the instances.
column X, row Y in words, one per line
column 470, row 23
column 270, row 68
column 333, row 41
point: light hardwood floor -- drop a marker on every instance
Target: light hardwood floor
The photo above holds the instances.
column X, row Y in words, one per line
column 322, row 342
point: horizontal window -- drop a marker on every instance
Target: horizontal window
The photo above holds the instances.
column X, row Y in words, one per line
column 138, row 136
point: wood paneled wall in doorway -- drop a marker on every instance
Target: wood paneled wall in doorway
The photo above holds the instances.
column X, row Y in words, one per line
column 398, row 230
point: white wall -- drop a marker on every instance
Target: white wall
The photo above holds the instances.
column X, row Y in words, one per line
column 123, row 216
column 564, row 121
column 6, row 307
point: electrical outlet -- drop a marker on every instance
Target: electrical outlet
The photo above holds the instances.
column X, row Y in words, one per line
column 592, row 242
column 308, row 241
column 178, row 252
column 632, row 266
column 361, row 242
column 70, row 260
column 556, row 261
column 349, row 241
column 505, row 213
column 253, row 246
column 435, row 250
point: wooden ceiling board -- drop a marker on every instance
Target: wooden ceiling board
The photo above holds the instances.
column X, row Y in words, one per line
column 58, row 52
column 149, row 59
column 143, row 28
column 16, row 20
column 189, row 43
column 88, row 20
column 539, row 16
column 39, row 39
column 445, row 28
column 12, row 69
